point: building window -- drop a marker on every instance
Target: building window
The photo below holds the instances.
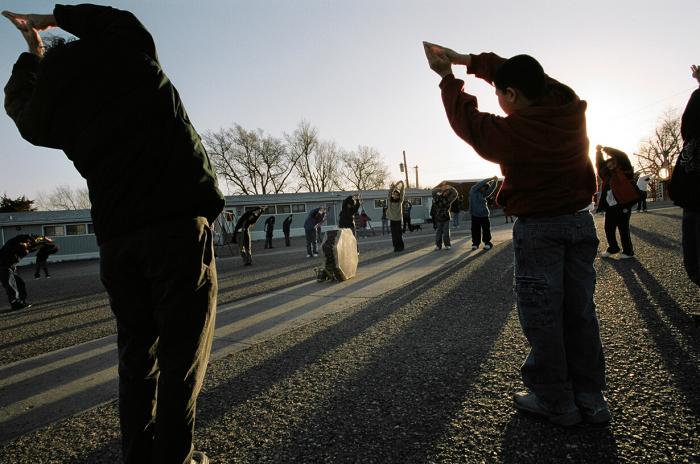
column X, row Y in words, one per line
column 379, row 204
column 91, row 228
column 284, row 209
column 299, row 208
column 76, row 229
column 54, row 231
column 416, row 201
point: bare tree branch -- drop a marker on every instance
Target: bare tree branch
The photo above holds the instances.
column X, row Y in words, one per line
column 63, row 197
column 364, row 169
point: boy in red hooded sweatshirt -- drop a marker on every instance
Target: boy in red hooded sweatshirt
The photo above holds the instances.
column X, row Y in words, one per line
column 542, row 149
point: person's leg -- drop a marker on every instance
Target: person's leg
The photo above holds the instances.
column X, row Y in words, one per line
column 37, row 268
column 486, row 228
column 439, row 234
column 691, row 244
column 8, row 282
column 19, row 284
column 644, row 201
column 624, row 227
column 185, row 313
column 45, row 266
column 539, row 286
column 584, row 350
column 446, row 234
column 476, row 231
column 248, row 246
column 122, row 271
column 308, row 234
column 612, row 214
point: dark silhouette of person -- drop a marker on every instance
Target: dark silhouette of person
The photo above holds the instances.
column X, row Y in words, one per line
column 105, row 100
column 45, row 249
column 286, row 227
column 244, row 224
column 269, row 230
column 11, row 254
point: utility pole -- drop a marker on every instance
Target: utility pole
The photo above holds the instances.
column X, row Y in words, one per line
column 405, row 170
column 416, row 168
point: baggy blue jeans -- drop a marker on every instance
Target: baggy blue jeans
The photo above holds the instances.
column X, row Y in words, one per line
column 554, row 285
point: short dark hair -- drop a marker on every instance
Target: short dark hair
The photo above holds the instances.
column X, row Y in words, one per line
column 521, row 72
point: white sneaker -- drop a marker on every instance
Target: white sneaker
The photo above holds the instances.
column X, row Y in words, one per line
column 315, row 254
column 474, row 247
column 447, row 247
column 308, row 256
column 488, row 246
column 624, row 256
column 437, row 248
column 605, row 254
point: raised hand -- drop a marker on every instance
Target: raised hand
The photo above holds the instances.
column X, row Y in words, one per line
column 437, row 59
column 453, row 56
column 695, row 72
column 30, row 25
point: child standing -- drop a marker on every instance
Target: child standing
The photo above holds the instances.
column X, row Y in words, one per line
column 542, row 148
column 443, row 197
column 394, row 213
column 478, row 207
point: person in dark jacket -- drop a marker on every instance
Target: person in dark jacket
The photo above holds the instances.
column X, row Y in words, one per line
column 685, row 186
column 541, row 146
column 245, row 224
column 286, row 229
column 455, row 209
column 269, row 230
column 11, row 254
column 348, row 210
column 45, row 249
column 479, row 210
column 443, row 197
column 313, row 222
column 617, row 215
column 105, row 100
column 406, row 207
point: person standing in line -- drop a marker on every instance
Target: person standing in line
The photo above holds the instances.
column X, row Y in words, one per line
column 541, row 146
column 348, row 210
column 105, row 100
column 11, row 254
column 455, row 209
column 684, row 187
column 643, row 186
column 406, row 207
column 443, row 197
column 47, row 247
column 313, row 221
column 617, row 215
column 286, row 227
column 385, row 221
column 269, row 230
column 245, row 224
column 394, row 213
column 479, row 195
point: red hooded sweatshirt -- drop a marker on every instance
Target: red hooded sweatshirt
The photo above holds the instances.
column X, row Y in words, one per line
column 542, row 149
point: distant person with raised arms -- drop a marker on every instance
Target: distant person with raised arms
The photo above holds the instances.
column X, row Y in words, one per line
column 541, row 146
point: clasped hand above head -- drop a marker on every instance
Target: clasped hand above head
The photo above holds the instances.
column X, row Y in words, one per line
column 30, row 25
column 441, row 59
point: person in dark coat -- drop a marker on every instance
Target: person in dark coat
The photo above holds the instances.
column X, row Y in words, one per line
column 617, row 215
column 244, row 224
column 46, row 248
column 286, row 228
column 269, row 229
column 685, row 186
column 407, row 206
column 11, row 254
column 348, row 210
column 105, row 100
column 313, row 221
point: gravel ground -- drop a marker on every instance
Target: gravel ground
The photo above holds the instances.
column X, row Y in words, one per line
column 425, row 374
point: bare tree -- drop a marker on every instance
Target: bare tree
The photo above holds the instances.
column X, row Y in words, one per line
column 64, row 197
column 364, row 169
column 250, row 162
column 661, row 150
column 318, row 165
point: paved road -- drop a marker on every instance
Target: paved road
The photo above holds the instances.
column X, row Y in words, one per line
column 414, row 361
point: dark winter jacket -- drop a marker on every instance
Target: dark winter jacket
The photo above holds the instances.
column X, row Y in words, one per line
column 106, row 102
column 46, row 249
column 442, row 199
column 247, row 220
column 684, row 188
column 478, row 200
column 15, row 249
column 349, row 209
column 623, row 163
column 287, row 224
column 269, row 225
column 315, row 217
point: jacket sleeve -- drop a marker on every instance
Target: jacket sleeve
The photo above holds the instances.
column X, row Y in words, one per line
column 452, row 194
column 484, row 65
column 492, row 185
column 487, row 133
column 106, row 25
column 478, row 185
column 29, row 101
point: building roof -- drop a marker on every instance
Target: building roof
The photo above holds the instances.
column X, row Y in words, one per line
column 45, row 217
column 312, row 197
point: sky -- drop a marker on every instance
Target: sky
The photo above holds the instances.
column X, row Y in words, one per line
column 357, row 72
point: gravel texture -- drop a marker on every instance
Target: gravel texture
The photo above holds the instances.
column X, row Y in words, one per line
column 425, row 374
